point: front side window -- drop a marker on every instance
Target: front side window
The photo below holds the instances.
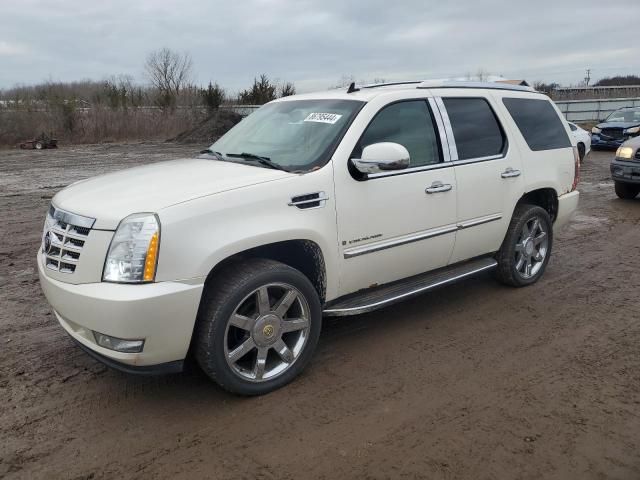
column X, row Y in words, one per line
column 538, row 122
column 298, row 135
column 475, row 128
column 408, row 123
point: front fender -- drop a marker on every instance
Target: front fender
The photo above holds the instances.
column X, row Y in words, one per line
column 199, row 234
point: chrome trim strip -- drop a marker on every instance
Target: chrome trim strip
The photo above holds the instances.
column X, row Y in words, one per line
column 443, row 136
column 447, row 128
column 479, row 221
column 434, row 166
column 416, row 237
column 373, row 306
column 480, row 159
column 395, row 242
column 71, row 218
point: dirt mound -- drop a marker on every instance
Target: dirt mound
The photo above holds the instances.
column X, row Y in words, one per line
column 210, row 129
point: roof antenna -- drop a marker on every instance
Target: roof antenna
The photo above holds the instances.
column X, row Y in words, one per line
column 352, row 88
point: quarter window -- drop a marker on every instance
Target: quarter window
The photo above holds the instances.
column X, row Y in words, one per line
column 475, row 128
column 538, row 122
column 411, row 125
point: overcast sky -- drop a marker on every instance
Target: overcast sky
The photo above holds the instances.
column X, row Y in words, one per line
column 313, row 43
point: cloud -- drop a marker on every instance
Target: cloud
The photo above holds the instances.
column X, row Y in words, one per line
column 8, row 49
column 314, row 42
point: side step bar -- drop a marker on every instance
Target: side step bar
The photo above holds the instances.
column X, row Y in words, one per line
column 378, row 297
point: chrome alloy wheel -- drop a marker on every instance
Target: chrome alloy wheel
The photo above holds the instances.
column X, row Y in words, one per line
column 267, row 332
column 531, row 248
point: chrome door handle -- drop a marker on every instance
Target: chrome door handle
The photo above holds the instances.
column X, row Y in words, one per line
column 437, row 187
column 510, row 173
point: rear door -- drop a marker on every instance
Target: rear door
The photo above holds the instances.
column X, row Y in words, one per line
column 488, row 171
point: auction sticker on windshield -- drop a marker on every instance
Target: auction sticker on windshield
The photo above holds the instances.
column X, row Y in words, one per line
column 323, row 118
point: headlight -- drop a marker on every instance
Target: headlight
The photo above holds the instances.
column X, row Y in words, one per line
column 133, row 253
column 596, row 130
column 624, row 152
column 632, row 130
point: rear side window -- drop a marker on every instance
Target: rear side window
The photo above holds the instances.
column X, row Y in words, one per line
column 538, row 122
column 475, row 128
column 408, row 123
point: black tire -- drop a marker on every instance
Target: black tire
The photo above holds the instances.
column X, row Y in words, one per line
column 507, row 272
column 581, row 151
column 221, row 298
column 627, row 191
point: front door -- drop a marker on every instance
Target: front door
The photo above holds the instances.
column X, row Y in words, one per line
column 397, row 224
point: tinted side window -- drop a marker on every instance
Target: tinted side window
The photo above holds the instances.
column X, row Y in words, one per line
column 538, row 122
column 408, row 123
column 475, row 128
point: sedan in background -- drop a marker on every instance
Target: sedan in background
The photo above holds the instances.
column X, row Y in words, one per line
column 583, row 140
column 625, row 169
column 616, row 128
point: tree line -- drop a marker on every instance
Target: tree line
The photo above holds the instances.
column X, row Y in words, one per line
column 170, row 85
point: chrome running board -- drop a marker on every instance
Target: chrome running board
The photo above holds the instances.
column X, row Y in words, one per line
column 382, row 296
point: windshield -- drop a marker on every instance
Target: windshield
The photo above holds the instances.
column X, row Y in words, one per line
column 294, row 134
column 626, row 115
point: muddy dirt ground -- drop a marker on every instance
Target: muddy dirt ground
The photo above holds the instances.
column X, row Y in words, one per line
column 474, row 381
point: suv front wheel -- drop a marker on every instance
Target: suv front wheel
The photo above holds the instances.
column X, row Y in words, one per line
column 526, row 249
column 258, row 326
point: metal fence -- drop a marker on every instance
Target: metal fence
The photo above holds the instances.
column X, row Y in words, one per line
column 593, row 110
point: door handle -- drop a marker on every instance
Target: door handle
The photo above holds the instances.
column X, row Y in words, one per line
column 437, row 187
column 510, row 173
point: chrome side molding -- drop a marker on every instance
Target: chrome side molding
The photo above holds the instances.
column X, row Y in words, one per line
column 416, row 237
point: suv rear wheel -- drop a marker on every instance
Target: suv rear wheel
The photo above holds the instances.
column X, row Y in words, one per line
column 258, row 326
column 627, row 191
column 526, row 249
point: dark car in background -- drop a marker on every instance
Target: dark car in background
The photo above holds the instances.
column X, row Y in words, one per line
column 616, row 128
column 625, row 169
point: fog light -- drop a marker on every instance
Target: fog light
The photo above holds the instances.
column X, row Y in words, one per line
column 118, row 344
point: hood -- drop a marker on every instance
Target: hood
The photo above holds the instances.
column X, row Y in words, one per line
column 618, row 124
column 149, row 188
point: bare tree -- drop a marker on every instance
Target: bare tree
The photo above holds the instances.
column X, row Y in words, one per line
column 286, row 89
column 169, row 72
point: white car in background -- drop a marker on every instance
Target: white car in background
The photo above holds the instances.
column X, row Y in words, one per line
column 583, row 140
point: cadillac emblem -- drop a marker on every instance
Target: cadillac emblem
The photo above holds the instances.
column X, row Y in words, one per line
column 268, row 331
column 46, row 242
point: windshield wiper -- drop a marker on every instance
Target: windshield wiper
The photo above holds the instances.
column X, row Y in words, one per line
column 218, row 155
column 266, row 161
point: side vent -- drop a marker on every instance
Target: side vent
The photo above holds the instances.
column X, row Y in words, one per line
column 309, row 200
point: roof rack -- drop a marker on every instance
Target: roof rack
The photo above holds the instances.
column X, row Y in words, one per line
column 390, row 84
column 353, row 88
column 465, row 84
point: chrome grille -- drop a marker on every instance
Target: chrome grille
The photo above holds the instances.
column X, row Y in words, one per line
column 63, row 238
column 615, row 133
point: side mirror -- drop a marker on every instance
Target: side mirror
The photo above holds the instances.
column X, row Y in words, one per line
column 382, row 157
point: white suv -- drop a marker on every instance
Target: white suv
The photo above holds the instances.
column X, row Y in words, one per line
column 332, row 203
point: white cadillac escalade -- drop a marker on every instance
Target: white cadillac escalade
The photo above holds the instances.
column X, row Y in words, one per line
column 333, row 203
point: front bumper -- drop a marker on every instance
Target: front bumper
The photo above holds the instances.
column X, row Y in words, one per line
column 567, row 205
column 625, row 171
column 163, row 314
column 599, row 141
